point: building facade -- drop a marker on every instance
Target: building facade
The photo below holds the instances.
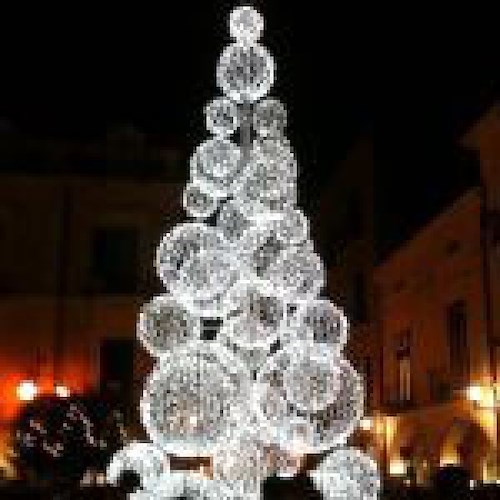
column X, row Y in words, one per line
column 434, row 346
column 76, row 263
column 438, row 302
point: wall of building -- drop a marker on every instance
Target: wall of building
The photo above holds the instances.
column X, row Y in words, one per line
column 484, row 138
column 52, row 310
column 417, row 284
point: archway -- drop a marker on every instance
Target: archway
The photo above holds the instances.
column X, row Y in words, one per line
column 465, row 443
column 417, row 452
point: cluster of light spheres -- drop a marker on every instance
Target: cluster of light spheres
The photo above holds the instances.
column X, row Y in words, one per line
column 272, row 385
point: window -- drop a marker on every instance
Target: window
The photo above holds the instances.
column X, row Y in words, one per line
column 456, row 319
column 114, row 265
column 116, row 365
column 404, row 379
column 439, row 390
column 403, row 356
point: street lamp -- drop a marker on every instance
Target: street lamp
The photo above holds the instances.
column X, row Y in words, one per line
column 27, row 390
column 62, row 391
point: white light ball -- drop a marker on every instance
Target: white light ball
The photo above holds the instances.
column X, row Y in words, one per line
column 269, row 118
column 165, row 324
column 232, row 221
column 300, row 431
column 180, row 245
column 260, row 247
column 245, row 73
column 216, row 164
column 321, row 321
column 221, row 117
column 194, row 399
column 255, row 317
column 205, row 281
column 198, row 201
column 312, row 379
column 245, row 24
column 253, row 358
column 297, row 274
column 185, row 484
column 269, row 183
column 292, row 226
column 147, row 460
column 242, row 464
column 347, row 473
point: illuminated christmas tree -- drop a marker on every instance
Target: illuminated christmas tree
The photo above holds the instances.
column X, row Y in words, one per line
column 273, row 385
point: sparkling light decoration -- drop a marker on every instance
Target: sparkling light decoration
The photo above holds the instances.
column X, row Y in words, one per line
column 273, row 385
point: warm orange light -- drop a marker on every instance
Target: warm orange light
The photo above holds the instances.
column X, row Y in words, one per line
column 27, row 390
column 449, row 459
column 397, row 467
column 62, row 391
column 474, row 393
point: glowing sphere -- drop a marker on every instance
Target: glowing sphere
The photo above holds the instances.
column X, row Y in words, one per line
column 312, row 379
column 298, row 273
column 180, row 245
column 242, row 464
column 347, row 473
column 185, row 484
column 255, row 317
column 216, row 164
column 245, row 73
column 321, row 321
column 145, row 459
column 292, row 226
column 206, row 279
column 301, row 426
column 259, row 248
column 165, row 324
column 198, row 202
column 269, row 183
column 269, row 119
column 245, row 24
column 232, row 221
column 193, row 399
column 221, row 116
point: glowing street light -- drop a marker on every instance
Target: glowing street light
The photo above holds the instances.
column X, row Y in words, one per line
column 398, row 468
column 62, row 391
column 475, row 394
column 27, row 390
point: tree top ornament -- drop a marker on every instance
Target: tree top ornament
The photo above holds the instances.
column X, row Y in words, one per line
column 273, row 384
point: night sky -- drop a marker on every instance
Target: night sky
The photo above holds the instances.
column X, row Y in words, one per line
column 412, row 76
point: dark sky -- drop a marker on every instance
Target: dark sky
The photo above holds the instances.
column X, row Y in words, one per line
column 412, row 75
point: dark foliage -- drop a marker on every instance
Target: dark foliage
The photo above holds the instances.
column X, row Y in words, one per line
column 452, row 482
column 57, row 440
